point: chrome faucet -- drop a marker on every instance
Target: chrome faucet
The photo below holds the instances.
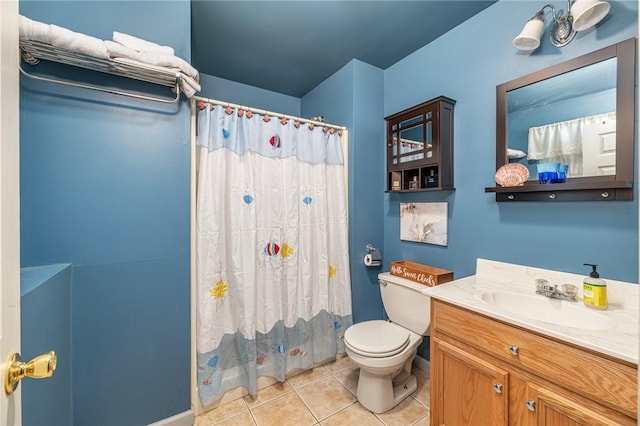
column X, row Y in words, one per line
column 563, row 292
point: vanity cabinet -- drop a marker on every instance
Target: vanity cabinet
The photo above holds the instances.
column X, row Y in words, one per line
column 420, row 147
column 487, row 372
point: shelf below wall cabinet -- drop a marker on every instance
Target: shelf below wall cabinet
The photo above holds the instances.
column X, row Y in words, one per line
column 587, row 190
column 420, row 147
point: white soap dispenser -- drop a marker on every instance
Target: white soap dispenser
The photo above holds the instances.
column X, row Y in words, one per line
column 594, row 290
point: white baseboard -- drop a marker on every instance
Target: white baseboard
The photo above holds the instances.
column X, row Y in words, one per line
column 185, row 418
column 421, row 363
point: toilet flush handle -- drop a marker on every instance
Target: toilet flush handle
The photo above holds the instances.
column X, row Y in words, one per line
column 383, row 283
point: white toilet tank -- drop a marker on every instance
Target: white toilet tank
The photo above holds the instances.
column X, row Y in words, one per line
column 405, row 304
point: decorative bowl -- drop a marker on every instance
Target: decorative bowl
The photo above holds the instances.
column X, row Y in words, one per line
column 512, row 174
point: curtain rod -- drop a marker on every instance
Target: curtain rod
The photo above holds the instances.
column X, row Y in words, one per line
column 265, row 112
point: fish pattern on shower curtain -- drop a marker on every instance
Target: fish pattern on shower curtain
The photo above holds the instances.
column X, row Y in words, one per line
column 272, row 264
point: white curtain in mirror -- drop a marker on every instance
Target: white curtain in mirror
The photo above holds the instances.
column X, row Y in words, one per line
column 563, row 141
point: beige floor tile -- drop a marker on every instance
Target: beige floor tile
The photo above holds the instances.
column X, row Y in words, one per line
column 339, row 364
column 222, row 413
column 244, row 419
column 308, row 377
column 349, row 377
column 268, row 394
column 355, row 414
column 406, row 413
column 422, row 394
column 326, row 397
column 283, row 411
column 423, row 421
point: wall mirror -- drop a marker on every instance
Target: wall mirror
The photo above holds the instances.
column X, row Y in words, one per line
column 580, row 113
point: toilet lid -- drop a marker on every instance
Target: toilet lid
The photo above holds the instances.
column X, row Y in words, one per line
column 376, row 338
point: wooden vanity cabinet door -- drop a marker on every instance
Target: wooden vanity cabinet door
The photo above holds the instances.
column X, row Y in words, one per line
column 549, row 408
column 467, row 390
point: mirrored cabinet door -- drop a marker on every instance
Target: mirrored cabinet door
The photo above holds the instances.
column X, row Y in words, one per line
column 420, row 147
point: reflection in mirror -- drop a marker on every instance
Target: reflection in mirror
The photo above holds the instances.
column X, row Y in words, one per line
column 411, row 140
column 569, row 118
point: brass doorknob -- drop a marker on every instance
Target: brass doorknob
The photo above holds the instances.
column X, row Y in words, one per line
column 40, row 367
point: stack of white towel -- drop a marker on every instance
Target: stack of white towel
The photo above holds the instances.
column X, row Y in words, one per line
column 123, row 46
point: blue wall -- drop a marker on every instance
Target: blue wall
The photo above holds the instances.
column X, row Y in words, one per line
column 105, row 186
column 237, row 93
column 45, row 325
column 353, row 97
column 466, row 64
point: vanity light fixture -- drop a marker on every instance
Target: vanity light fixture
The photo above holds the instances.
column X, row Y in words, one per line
column 581, row 15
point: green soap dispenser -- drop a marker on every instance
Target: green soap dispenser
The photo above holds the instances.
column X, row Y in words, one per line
column 594, row 290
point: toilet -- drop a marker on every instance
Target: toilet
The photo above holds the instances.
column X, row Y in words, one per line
column 384, row 350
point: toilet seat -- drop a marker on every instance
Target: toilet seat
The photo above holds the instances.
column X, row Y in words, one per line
column 376, row 339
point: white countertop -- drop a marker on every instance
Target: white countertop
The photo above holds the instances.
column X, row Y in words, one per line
column 620, row 340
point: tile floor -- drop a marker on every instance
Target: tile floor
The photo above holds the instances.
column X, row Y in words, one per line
column 323, row 396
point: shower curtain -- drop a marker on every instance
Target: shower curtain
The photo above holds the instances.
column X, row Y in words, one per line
column 272, row 266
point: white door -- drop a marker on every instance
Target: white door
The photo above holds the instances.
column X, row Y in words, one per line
column 10, row 406
column 599, row 149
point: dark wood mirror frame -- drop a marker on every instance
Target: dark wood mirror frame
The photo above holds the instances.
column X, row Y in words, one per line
column 593, row 188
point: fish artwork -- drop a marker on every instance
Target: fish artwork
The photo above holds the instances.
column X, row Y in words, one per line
column 307, row 200
column 275, row 141
column 226, row 133
column 271, row 249
column 280, row 348
column 260, row 360
column 337, row 324
column 213, row 361
column 295, row 352
column 248, row 199
column 206, row 382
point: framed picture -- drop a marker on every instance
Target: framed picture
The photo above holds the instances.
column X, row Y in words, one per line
column 424, row 222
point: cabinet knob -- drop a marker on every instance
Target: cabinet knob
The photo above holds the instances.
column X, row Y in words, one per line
column 497, row 387
column 531, row 404
column 604, row 194
column 552, row 196
column 514, row 350
column 510, row 196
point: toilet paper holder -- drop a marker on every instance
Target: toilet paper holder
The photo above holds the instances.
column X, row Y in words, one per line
column 374, row 254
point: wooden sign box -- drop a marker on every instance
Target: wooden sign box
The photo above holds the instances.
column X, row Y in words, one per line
column 422, row 274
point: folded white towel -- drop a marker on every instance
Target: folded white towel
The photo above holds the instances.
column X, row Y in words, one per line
column 141, row 45
column 34, row 30
column 188, row 85
column 117, row 50
column 78, row 42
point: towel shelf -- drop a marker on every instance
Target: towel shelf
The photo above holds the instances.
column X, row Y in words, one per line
column 34, row 51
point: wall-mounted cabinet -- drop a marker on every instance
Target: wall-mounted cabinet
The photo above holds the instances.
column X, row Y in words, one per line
column 420, row 147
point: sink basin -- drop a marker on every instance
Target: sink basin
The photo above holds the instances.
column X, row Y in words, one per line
column 554, row 311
